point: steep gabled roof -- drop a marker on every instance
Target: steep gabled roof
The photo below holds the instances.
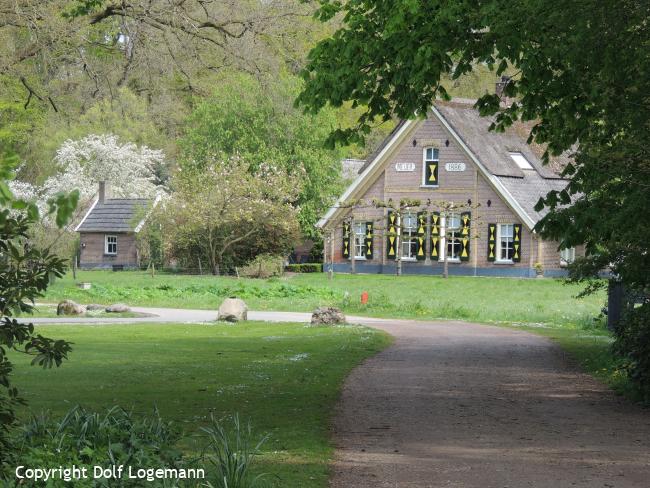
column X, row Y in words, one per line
column 115, row 215
column 490, row 151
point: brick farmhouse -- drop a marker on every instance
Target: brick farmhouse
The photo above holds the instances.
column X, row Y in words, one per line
column 451, row 157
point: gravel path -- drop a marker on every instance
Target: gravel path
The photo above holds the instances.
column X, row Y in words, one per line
column 459, row 405
column 452, row 404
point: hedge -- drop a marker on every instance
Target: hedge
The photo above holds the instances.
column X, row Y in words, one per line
column 305, row 268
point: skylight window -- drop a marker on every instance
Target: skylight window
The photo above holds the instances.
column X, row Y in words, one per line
column 521, row 160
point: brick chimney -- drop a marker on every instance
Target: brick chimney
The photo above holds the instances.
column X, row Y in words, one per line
column 103, row 187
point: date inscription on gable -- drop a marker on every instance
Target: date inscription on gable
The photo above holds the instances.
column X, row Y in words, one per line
column 404, row 167
column 455, row 167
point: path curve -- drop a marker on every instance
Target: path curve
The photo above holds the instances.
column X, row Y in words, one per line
column 452, row 404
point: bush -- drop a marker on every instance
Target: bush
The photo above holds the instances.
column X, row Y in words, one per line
column 86, row 439
column 263, row 266
column 305, row 268
column 632, row 344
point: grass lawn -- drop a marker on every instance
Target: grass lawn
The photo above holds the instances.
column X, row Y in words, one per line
column 546, row 307
column 421, row 297
column 284, row 377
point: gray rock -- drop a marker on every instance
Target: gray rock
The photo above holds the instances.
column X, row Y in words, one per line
column 118, row 308
column 233, row 310
column 68, row 307
column 327, row 316
column 91, row 307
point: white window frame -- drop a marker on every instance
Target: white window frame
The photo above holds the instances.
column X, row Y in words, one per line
column 443, row 237
column 567, row 256
column 498, row 259
column 424, row 166
column 361, row 236
column 107, row 245
column 412, row 237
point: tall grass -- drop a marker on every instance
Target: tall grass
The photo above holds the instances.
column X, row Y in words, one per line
column 232, row 453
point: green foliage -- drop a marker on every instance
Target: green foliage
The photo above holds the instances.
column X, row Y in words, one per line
column 232, row 453
column 263, row 266
column 305, row 268
column 633, row 346
column 25, row 273
column 258, row 124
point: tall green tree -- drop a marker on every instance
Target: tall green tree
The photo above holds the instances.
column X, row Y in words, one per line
column 25, row 273
column 258, row 124
column 580, row 69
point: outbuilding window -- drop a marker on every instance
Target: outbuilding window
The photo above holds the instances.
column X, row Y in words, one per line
column 430, row 169
column 110, row 245
column 505, row 242
column 409, row 236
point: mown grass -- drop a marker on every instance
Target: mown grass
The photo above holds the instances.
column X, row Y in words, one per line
column 285, row 378
column 420, row 297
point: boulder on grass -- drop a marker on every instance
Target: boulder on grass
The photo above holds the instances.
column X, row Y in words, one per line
column 93, row 307
column 68, row 307
column 118, row 308
column 327, row 316
column 233, row 310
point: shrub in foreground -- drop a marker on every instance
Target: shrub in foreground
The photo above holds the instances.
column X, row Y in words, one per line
column 632, row 344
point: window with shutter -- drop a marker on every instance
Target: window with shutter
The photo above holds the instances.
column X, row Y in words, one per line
column 431, row 164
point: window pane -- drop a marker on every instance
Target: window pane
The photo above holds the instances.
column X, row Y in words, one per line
column 410, row 221
column 453, row 221
column 521, row 160
column 432, row 154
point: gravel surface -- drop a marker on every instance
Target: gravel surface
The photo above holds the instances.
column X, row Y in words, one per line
column 459, row 405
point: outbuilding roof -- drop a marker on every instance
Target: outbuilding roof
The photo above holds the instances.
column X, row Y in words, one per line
column 115, row 215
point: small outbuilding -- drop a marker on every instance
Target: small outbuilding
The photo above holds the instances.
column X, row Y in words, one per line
column 107, row 233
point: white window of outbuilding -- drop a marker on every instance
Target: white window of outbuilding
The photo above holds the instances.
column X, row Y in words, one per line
column 110, row 245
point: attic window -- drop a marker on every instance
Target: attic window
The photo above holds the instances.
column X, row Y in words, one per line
column 521, row 160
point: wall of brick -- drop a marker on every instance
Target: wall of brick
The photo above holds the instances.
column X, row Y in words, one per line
column 92, row 250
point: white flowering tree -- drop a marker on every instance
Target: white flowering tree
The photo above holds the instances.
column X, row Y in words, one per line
column 83, row 163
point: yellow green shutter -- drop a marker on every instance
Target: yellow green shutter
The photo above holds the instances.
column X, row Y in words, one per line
column 421, row 251
column 465, row 235
column 368, row 239
column 492, row 242
column 516, row 243
column 435, row 235
column 346, row 240
column 391, row 235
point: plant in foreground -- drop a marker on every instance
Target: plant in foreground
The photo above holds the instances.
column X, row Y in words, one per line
column 232, row 453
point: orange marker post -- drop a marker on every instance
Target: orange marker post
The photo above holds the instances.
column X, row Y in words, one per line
column 364, row 298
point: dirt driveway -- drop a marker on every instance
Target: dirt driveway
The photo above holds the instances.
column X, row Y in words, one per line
column 458, row 405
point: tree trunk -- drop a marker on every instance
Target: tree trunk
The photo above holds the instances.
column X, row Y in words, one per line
column 398, row 244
